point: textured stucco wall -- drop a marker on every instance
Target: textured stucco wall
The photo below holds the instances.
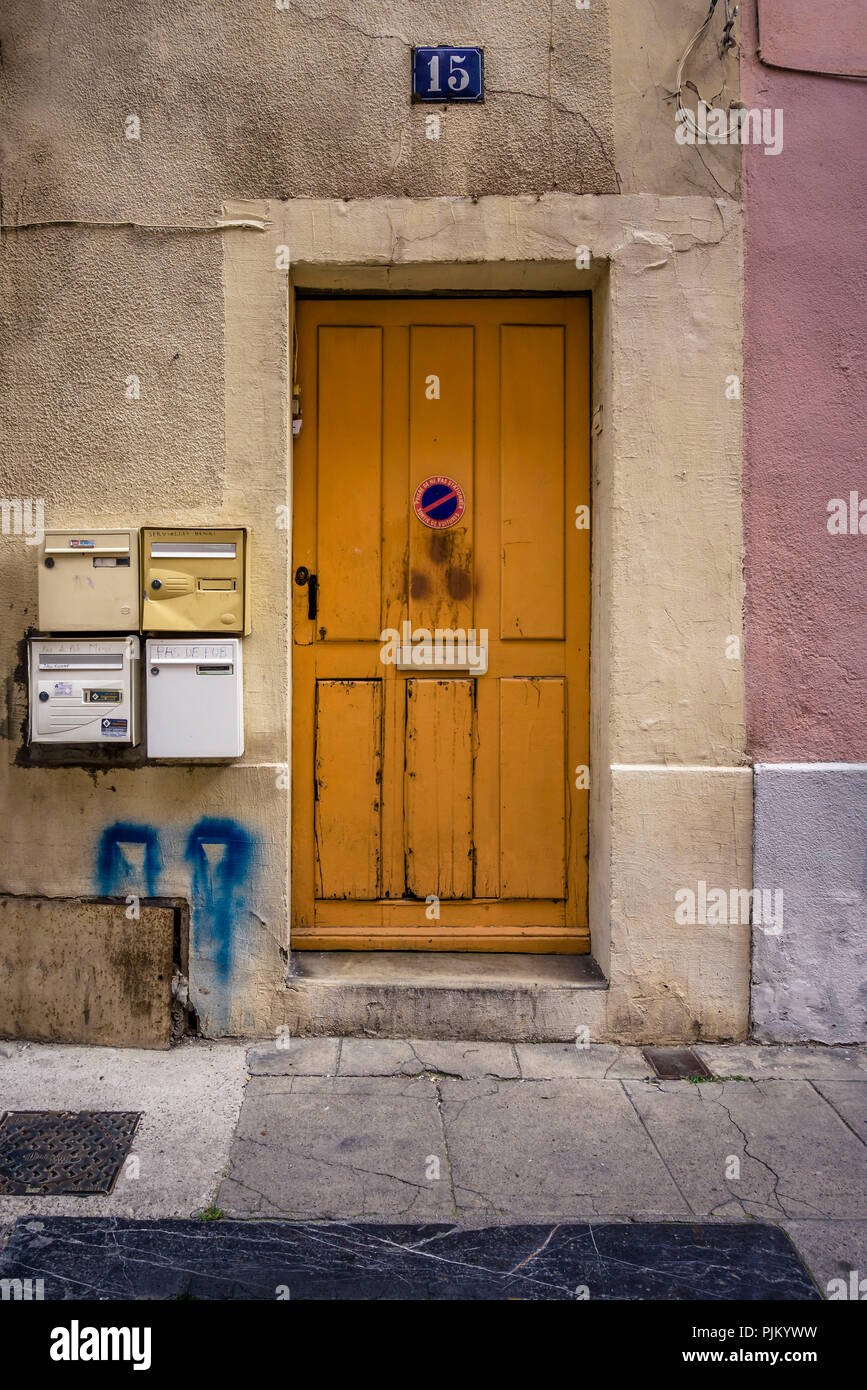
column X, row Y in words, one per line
column 805, row 412
column 248, row 100
column 236, row 928
column 245, row 100
column 83, row 309
column 810, row 981
column 673, row 828
column 805, row 418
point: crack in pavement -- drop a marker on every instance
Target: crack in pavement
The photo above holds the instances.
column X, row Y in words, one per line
column 712, row 1100
column 448, row 1157
column 776, row 1194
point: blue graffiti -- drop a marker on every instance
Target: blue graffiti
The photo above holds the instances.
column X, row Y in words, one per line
column 113, row 869
column 219, row 882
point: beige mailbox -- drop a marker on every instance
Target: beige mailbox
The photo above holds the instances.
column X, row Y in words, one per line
column 89, row 581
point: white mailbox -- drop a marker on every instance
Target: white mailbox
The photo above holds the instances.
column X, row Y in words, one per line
column 195, row 699
column 89, row 581
column 84, row 690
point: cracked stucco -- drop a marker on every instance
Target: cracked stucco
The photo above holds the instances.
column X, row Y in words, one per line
column 248, row 101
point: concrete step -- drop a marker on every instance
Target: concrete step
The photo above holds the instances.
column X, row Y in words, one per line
column 444, row 994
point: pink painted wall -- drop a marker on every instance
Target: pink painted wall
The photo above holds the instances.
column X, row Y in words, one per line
column 805, row 401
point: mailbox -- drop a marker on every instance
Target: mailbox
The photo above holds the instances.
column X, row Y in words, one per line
column 84, row 690
column 89, row 581
column 195, row 699
column 195, row 579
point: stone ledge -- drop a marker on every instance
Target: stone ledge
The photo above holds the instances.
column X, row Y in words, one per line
column 444, row 995
column 445, row 969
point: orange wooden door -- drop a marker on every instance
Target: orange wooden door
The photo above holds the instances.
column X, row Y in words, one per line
column 435, row 808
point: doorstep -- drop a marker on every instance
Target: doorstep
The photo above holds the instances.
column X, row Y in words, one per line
column 444, row 994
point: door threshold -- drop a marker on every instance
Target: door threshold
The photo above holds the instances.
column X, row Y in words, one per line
column 461, row 969
column 485, row 996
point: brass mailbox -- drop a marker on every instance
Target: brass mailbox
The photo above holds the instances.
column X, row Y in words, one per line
column 195, row 579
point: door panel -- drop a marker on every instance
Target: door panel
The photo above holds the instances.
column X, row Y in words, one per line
column 349, row 493
column 417, row 785
column 348, row 775
column 441, row 442
column 532, row 758
column 439, row 788
column 531, row 481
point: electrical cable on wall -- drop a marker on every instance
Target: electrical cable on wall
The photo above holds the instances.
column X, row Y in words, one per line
column 683, row 115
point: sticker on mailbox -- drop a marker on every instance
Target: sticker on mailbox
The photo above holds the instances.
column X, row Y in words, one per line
column 62, row 688
column 114, row 728
column 104, row 697
column 439, row 502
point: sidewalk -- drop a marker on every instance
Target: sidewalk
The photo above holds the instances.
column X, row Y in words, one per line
column 472, row 1134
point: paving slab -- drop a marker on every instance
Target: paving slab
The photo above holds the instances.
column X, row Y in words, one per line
column 230, row 1261
column 559, row 1149
column 785, row 1063
column 849, row 1099
column 796, row 1156
column 295, row 1057
column 384, row 1057
column 324, row 1147
column 190, row 1098
column 833, row 1251
column 545, row 1061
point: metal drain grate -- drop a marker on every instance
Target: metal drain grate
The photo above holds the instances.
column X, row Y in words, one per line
column 675, row 1063
column 50, row 1152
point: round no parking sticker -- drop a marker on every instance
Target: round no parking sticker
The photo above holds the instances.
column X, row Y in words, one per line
column 439, row 502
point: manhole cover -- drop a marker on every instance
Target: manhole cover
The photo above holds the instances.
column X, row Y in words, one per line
column 55, row 1151
column 675, row 1063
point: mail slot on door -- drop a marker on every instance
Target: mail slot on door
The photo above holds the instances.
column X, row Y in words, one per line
column 195, row 579
column 89, row 581
column 84, row 690
column 195, row 699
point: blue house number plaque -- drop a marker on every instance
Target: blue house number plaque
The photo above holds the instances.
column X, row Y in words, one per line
column 448, row 74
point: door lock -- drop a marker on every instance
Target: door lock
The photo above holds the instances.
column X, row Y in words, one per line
column 302, row 577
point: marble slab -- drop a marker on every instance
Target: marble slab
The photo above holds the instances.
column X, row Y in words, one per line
column 116, row 1258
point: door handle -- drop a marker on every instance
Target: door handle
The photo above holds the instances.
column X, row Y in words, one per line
column 302, row 577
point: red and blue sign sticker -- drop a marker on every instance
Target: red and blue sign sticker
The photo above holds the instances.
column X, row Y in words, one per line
column 439, row 502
